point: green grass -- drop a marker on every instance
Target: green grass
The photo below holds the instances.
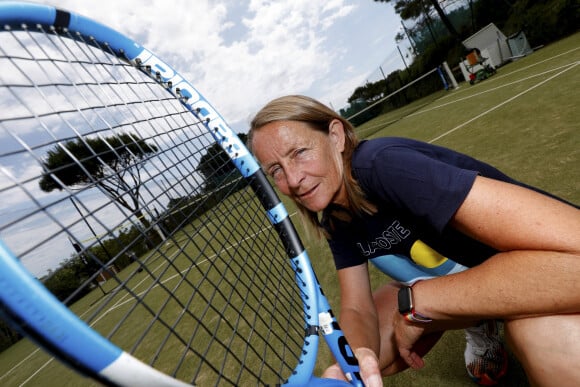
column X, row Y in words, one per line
column 523, row 120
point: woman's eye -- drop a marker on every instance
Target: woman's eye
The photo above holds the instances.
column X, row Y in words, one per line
column 276, row 171
column 300, row 151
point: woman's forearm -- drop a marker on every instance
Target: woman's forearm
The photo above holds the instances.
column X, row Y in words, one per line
column 361, row 329
column 509, row 285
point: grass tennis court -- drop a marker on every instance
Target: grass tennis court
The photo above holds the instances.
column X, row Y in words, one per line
column 174, row 269
column 523, row 120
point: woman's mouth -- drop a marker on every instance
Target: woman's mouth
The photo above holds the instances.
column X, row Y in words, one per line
column 308, row 193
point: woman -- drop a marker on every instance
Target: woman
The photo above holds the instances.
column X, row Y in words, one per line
column 390, row 197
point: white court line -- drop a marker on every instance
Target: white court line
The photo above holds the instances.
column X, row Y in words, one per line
column 119, row 304
column 494, row 89
column 502, row 103
column 421, row 111
column 20, row 363
column 498, row 77
column 495, row 79
column 37, row 372
column 542, row 61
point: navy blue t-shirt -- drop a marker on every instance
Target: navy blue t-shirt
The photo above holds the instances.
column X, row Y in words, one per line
column 417, row 188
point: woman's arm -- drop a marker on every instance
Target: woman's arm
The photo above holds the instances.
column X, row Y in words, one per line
column 358, row 318
column 535, row 273
column 359, row 321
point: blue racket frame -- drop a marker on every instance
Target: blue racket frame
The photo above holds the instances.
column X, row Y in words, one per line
column 39, row 315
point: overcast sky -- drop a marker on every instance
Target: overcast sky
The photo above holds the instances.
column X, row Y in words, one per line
column 240, row 54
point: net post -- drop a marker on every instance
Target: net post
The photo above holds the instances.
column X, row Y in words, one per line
column 450, row 75
column 445, row 84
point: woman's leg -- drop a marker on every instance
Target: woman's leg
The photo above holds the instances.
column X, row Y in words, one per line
column 548, row 348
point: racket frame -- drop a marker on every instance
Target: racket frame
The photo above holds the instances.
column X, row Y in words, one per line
column 39, row 315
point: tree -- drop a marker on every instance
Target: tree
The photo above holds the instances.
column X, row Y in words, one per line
column 68, row 282
column 8, row 336
column 113, row 164
column 216, row 167
column 412, row 9
column 444, row 19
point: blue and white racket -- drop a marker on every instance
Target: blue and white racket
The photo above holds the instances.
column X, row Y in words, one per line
column 133, row 248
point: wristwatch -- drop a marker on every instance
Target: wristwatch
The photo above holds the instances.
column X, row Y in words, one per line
column 407, row 308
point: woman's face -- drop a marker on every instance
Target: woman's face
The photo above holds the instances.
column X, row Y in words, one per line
column 306, row 164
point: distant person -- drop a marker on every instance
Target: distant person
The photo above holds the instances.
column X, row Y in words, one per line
column 420, row 211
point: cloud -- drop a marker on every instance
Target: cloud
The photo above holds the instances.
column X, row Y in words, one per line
column 283, row 52
column 240, row 54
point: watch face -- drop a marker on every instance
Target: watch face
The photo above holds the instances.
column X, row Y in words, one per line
column 405, row 300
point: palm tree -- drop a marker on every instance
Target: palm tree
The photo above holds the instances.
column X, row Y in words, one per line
column 113, row 164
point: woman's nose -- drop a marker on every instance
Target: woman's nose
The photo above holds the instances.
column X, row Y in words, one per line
column 294, row 177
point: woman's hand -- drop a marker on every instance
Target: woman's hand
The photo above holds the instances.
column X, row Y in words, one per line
column 407, row 335
column 334, row 372
column 369, row 367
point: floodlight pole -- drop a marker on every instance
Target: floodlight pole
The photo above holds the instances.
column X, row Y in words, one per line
column 79, row 251
column 71, row 198
column 411, row 42
column 403, row 58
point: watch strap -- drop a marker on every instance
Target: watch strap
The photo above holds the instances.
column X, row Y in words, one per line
column 415, row 317
column 407, row 306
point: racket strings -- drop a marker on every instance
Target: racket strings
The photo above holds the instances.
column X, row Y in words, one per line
column 175, row 260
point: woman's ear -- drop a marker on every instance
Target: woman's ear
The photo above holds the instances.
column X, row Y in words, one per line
column 336, row 134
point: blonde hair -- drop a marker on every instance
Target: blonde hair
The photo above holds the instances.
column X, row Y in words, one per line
column 318, row 116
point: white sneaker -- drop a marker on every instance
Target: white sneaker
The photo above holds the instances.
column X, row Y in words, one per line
column 486, row 359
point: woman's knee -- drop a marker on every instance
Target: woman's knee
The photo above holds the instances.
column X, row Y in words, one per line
column 548, row 348
column 386, row 298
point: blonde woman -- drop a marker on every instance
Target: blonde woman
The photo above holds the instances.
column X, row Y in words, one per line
column 423, row 214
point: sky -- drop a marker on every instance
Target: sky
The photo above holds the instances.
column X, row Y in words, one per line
column 241, row 54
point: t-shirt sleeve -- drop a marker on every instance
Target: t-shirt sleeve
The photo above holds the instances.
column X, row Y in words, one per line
column 413, row 181
column 344, row 255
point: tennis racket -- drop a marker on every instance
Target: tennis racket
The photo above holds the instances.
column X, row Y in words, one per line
column 141, row 244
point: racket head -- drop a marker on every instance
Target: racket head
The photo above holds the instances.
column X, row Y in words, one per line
column 106, row 361
column 118, row 54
